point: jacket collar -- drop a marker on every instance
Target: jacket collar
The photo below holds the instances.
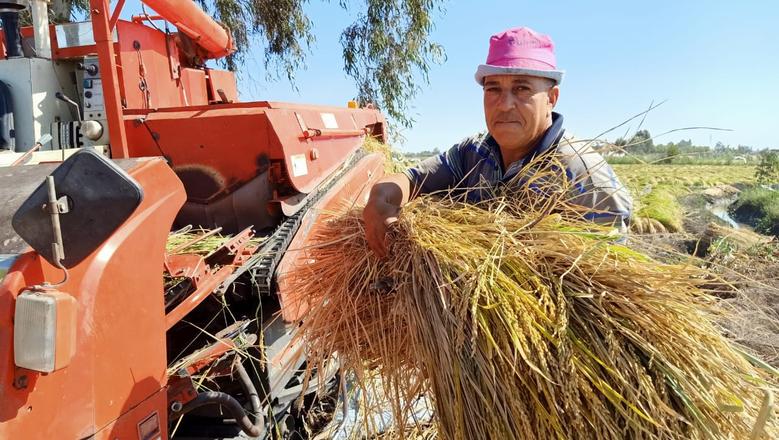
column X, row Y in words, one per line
column 549, row 140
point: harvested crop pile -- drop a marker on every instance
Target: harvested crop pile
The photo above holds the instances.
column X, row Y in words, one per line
column 194, row 241
column 394, row 162
column 646, row 225
column 523, row 322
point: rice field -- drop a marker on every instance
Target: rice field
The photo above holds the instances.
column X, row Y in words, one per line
column 655, row 189
column 638, row 177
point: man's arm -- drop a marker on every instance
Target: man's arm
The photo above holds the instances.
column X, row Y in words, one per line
column 387, row 196
column 596, row 187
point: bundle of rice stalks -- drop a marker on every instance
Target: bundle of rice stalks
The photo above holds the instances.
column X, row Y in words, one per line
column 394, row 161
column 738, row 238
column 661, row 205
column 525, row 323
column 646, row 225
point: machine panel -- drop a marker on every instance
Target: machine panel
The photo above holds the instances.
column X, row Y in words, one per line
column 34, row 83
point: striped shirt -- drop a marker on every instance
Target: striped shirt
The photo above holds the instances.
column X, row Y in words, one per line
column 474, row 165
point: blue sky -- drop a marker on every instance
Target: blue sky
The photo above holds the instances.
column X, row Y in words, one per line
column 716, row 63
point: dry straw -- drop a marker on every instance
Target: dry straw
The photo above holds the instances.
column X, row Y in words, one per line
column 523, row 322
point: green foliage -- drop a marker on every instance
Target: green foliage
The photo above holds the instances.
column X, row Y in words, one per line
column 686, row 144
column 640, row 149
column 641, row 142
column 722, row 247
column 758, row 207
column 282, row 25
column 61, row 11
column 671, row 153
column 384, row 49
column 766, row 251
column 767, row 171
column 424, row 154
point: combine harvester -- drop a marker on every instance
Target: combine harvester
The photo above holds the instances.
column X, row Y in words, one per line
column 115, row 133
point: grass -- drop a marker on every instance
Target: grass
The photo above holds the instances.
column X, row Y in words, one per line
column 526, row 324
column 661, row 204
column 759, row 207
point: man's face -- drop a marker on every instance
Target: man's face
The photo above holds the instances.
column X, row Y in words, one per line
column 518, row 109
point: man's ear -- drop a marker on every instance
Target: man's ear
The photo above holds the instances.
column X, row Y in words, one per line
column 553, row 94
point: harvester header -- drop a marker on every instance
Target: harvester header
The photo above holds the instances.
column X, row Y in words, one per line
column 130, row 141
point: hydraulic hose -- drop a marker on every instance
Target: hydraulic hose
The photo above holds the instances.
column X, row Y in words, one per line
column 232, row 406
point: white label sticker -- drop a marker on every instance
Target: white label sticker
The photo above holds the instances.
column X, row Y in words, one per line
column 299, row 167
column 329, row 120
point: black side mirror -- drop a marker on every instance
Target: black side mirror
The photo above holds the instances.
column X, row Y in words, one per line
column 96, row 196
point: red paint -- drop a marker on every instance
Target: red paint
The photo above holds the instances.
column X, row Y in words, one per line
column 120, row 360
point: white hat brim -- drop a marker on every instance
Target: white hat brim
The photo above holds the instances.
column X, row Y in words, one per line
column 486, row 70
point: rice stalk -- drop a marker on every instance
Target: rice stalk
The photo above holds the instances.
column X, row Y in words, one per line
column 522, row 321
column 178, row 240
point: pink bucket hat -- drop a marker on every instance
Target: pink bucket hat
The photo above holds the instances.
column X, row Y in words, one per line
column 520, row 51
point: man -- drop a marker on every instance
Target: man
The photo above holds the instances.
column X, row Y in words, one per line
column 521, row 87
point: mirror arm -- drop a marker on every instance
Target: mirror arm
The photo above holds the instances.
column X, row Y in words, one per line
column 55, row 208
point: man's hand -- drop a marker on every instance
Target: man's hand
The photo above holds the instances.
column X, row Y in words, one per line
column 378, row 215
column 383, row 209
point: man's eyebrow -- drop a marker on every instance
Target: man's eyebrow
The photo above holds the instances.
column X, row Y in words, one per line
column 521, row 81
column 491, row 83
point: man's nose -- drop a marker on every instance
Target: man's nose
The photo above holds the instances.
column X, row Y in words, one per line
column 507, row 101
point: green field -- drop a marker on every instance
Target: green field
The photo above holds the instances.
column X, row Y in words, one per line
column 656, row 189
column 638, row 177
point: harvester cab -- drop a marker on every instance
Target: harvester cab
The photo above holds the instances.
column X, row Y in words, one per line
column 176, row 211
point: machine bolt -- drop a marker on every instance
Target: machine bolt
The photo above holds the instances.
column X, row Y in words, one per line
column 90, row 69
column 20, row 382
column 176, row 406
